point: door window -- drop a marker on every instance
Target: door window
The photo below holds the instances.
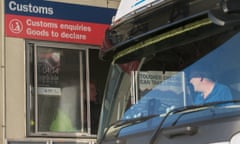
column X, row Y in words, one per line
column 57, row 89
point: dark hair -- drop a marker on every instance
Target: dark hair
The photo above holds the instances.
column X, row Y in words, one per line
column 201, row 73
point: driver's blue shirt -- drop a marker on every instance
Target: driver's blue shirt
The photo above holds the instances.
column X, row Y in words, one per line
column 220, row 92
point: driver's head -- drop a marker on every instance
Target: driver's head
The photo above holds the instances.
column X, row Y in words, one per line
column 199, row 78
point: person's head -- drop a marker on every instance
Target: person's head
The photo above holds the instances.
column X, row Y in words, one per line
column 93, row 91
column 200, row 80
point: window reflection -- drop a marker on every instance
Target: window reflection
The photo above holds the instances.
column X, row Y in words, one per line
column 156, row 90
column 58, row 104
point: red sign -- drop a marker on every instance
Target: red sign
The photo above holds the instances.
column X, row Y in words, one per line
column 54, row 29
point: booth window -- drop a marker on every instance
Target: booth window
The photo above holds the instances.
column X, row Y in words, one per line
column 57, row 89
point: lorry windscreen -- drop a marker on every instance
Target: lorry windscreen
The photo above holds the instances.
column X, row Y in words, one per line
column 157, row 81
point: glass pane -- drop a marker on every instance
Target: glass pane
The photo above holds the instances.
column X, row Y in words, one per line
column 58, row 103
column 172, row 79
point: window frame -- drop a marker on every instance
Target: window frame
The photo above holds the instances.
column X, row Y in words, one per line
column 85, row 50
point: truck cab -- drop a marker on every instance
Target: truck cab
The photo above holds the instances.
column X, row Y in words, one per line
column 155, row 52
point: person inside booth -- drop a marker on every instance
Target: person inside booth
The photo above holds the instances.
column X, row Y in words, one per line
column 95, row 107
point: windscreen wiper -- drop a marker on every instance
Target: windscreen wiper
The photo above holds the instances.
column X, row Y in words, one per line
column 191, row 108
column 212, row 104
column 127, row 122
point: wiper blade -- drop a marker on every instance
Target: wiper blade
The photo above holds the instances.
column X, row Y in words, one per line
column 191, row 108
column 219, row 103
column 206, row 105
column 128, row 122
column 124, row 123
